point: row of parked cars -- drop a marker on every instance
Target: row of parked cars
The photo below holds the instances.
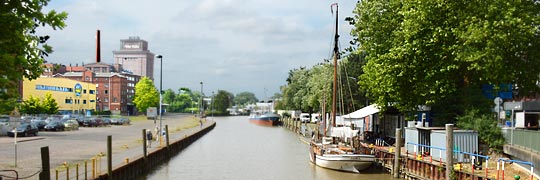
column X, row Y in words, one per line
column 30, row 126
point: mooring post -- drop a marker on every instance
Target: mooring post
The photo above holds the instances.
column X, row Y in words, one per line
column 449, row 150
column 167, row 135
column 144, row 143
column 109, row 157
column 397, row 153
column 46, row 173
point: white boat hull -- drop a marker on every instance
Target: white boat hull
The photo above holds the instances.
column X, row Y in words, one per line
column 344, row 162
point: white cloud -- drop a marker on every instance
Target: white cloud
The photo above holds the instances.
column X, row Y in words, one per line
column 233, row 45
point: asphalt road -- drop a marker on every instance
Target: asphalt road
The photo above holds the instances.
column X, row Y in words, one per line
column 83, row 144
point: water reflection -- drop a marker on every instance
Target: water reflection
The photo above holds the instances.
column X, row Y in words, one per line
column 239, row 150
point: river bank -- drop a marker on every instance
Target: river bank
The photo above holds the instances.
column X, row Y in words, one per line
column 77, row 147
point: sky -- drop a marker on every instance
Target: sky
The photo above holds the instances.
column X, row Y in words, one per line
column 231, row 45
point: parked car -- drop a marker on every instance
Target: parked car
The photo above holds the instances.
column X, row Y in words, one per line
column 25, row 129
column 54, row 126
column 120, row 121
column 71, row 124
column 106, row 121
column 52, row 118
column 4, row 120
column 39, row 123
column 89, row 122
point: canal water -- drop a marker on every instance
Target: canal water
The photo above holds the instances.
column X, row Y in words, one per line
column 239, row 150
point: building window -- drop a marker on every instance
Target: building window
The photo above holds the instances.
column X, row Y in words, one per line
column 84, row 91
column 92, row 91
column 114, row 99
column 106, row 85
column 106, row 99
column 92, row 100
column 84, row 101
column 87, row 78
column 69, row 101
column 106, row 91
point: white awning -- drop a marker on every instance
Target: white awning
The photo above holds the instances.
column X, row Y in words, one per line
column 361, row 113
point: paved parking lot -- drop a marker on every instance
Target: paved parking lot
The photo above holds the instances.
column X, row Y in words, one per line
column 80, row 145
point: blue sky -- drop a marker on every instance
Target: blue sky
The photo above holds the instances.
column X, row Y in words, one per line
column 232, row 45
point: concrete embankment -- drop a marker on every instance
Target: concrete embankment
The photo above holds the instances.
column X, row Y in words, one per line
column 143, row 165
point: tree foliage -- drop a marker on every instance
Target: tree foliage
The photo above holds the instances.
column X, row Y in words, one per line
column 22, row 50
column 32, row 106
column 425, row 51
column 485, row 125
column 146, row 94
column 221, row 101
column 50, row 106
column 183, row 101
column 244, row 98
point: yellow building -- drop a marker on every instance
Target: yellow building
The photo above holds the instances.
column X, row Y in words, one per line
column 72, row 96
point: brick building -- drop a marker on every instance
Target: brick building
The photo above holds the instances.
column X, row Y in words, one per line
column 114, row 88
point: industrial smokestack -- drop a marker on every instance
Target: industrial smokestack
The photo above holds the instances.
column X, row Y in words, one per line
column 98, row 47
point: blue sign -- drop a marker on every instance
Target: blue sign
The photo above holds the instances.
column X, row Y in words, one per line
column 78, row 89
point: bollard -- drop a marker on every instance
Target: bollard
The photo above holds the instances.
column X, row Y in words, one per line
column 57, row 174
column 77, row 171
column 126, row 160
column 498, row 170
column 503, row 170
column 67, row 170
column 93, row 168
column 85, row 169
column 532, row 172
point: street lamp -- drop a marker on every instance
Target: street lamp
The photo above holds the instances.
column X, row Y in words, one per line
column 202, row 100
column 160, row 87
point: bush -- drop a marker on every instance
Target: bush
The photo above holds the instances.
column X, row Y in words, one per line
column 485, row 125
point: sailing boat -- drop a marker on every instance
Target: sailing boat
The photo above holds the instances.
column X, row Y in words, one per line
column 328, row 153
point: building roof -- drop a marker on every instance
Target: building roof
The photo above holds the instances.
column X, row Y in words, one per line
column 366, row 111
column 72, row 74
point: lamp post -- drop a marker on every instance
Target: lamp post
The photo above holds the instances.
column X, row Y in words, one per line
column 160, row 87
column 202, row 100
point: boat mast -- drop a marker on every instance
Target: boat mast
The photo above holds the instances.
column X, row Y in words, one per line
column 334, row 92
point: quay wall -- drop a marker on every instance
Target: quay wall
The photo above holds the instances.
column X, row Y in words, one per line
column 142, row 166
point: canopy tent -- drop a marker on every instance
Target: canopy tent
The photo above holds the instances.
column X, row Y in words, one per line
column 361, row 113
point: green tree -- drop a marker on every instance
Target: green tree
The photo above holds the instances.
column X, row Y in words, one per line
column 222, row 101
column 146, row 95
column 296, row 92
column 244, row 98
column 426, row 51
column 22, row 50
column 169, row 98
column 50, row 106
column 32, row 106
column 184, row 102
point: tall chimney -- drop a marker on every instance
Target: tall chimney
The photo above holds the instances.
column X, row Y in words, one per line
column 98, row 47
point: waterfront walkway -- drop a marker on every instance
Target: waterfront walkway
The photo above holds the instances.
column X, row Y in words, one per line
column 78, row 147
